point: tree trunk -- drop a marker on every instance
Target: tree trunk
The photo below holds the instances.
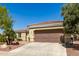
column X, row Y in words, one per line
column 8, row 41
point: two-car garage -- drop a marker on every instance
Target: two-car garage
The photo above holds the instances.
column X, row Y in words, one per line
column 52, row 35
column 50, row 31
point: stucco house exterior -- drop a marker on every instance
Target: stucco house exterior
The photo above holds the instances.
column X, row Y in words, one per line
column 43, row 32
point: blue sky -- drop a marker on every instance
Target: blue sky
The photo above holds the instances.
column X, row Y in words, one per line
column 31, row 13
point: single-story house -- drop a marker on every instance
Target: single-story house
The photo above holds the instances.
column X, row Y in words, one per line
column 44, row 32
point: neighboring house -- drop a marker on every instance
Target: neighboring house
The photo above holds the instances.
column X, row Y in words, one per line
column 21, row 34
column 42, row 32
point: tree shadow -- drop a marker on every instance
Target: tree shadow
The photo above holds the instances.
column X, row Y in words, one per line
column 68, row 45
column 74, row 46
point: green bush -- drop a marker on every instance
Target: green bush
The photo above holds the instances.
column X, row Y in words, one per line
column 62, row 39
column 19, row 39
column 2, row 38
column 66, row 38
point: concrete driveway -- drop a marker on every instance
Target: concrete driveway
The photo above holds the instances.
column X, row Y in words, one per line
column 39, row 49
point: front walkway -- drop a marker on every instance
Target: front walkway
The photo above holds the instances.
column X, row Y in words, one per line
column 39, row 49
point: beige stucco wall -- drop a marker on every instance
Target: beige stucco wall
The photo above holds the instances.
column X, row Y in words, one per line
column 27, row 38
column 17, row 35
column 31, row 35
column 31, row 32
column 23, row 36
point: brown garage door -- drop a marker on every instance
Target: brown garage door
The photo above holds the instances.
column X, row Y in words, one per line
column 48, row 35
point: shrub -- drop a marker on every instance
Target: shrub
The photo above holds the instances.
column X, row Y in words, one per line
column 62, row 39
column 2, row 38
column 19, row 39
column 66, row 39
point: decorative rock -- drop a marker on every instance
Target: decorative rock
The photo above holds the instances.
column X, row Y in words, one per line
column 4, row 46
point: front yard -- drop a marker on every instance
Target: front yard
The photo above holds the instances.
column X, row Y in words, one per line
column 12, row 47
column 39, row 49
column 74, row 50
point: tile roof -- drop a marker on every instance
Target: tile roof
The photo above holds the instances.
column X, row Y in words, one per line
column 21, row 31
column 48, row 22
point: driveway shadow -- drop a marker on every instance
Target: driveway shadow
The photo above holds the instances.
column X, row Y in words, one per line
column 74, row 46
column 68, row 45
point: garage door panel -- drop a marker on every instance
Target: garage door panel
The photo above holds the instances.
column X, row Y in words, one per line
column 48, row 35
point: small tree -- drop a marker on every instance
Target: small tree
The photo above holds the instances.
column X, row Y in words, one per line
column 70, row 12
column 2, row 38
column 6, row 25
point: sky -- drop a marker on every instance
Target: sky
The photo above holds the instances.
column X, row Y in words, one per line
column 24, row 14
